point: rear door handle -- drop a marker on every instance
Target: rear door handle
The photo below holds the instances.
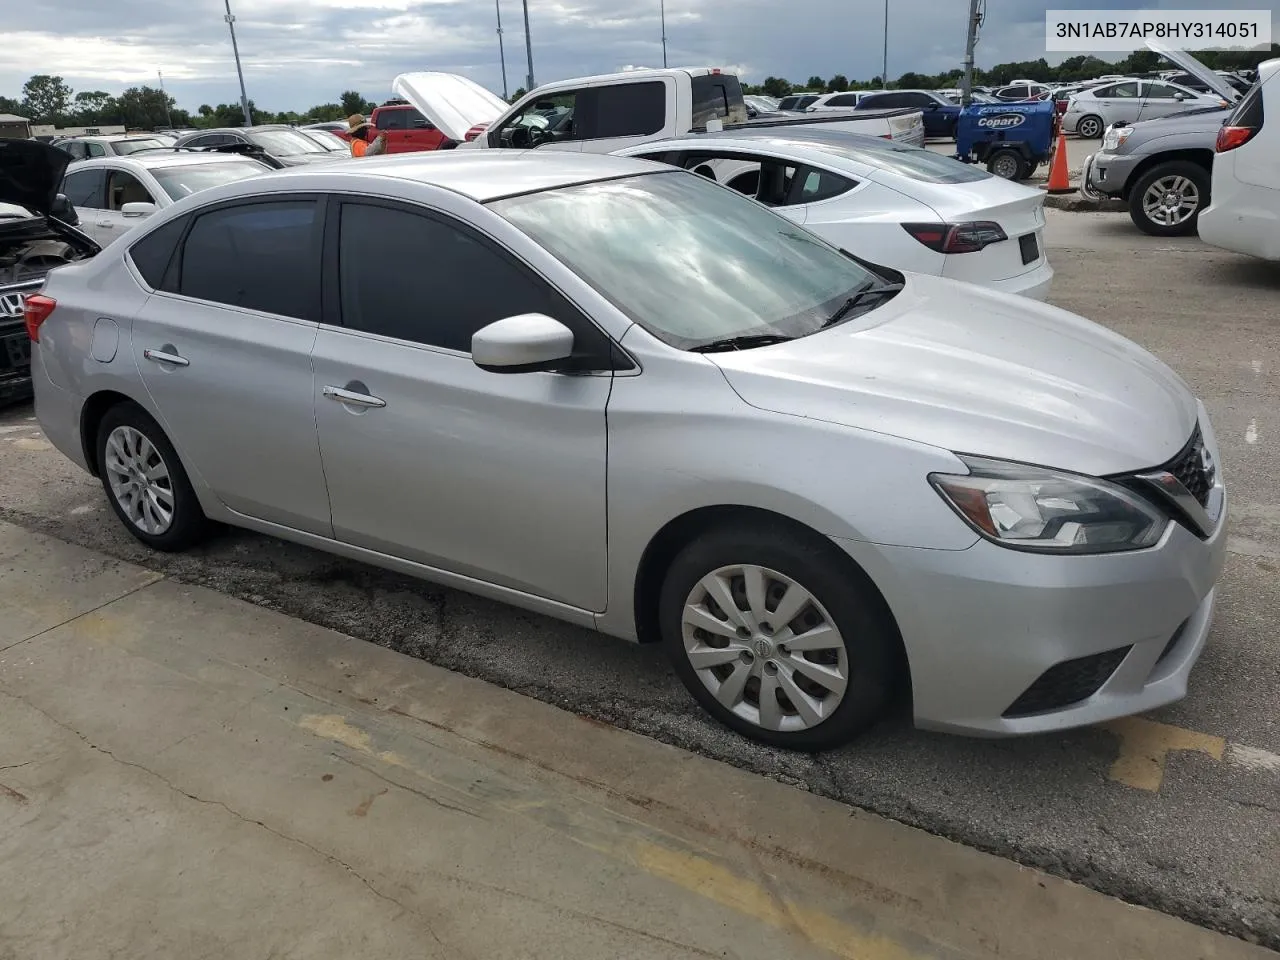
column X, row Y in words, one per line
column 159, row 356
column 343, row 395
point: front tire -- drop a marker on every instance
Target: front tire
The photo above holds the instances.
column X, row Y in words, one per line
column 1167, row 199
column 779, row 637
column 1008, row 165
column 145, row 482
column 1090, row 127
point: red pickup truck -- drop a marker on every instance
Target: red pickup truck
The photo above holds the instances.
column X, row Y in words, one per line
column 407, row 130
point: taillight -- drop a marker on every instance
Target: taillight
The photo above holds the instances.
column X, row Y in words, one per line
column 36, row 310
column 957, row 237
column 475, row 131
column 1231, row 137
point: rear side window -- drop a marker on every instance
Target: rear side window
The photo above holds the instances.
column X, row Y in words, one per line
column 844, row 100
column 715, row 96
column 626, row 110
column 84, row 188
column 1248, row 112
column 152, row 254
column 818, row 185
column 263, row 256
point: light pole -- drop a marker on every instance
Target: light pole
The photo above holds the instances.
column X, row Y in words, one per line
column 244, row 100
column 502, row 56
column 971, row 39
column 528, row 49
column 168, row 117
column 884, row 68
column 662, row 11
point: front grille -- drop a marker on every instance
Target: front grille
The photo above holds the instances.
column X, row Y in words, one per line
column 1194, row 468
column 1067, row 683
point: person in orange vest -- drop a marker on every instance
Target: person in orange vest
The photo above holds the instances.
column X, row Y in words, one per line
column 363, row 141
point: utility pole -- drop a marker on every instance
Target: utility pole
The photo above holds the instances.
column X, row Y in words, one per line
column 502, row 56
column 662, row 11
column 168, row 117
column 884, row 66
column 528, row 49
column 971, row 40
column 244, row 100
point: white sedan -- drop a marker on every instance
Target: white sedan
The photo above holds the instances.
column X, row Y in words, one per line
column 886, row 202
column 114, row 194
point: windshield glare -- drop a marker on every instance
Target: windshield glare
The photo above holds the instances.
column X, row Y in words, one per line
column 690, row 261
column 179, row 182
column 285, row 143
column 126, row 147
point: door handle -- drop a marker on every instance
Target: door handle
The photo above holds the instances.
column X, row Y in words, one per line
column 159, row 356
column 106, row 223
column 343, row 395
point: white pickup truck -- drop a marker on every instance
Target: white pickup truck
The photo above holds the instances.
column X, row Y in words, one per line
column 606, row 113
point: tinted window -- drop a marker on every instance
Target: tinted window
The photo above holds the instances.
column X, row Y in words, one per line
column 917, row 100
column 84, row 188
column 627, row 110
column 818, row 185
column 393, row 120
column 1248, row 112
column 717, row 95
column 399, row 274
column 844, row 100
column 151, row 254
column 96, row 149
column 264, row 256
column 125, row 188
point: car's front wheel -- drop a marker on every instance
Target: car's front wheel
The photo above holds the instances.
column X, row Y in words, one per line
column 779, row 637
column 1167, row 199
column 145, row 482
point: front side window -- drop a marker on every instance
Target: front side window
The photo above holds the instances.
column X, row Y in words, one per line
column 691, row 262
column 84, row 188
column 262, row 256
column 548, row 119
column 393, row 120
column 399, row 276
column 625, row 110
column 179, row 182
column 124, row 187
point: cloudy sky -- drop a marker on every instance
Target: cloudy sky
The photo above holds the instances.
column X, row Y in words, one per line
column 297, row 53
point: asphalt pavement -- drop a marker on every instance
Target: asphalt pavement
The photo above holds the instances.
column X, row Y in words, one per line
column 1179, row 810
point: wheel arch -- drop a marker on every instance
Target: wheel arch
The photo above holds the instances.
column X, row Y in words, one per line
column 91, row 414
column 1201, row 156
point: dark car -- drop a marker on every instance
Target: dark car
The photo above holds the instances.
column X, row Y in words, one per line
column 939, row 113
column 37, row 233
column 283, row 143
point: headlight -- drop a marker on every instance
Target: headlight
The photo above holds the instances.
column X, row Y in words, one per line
column 1031, row 508
column 1115, row 136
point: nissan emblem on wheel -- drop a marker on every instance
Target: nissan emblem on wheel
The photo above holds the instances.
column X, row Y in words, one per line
column 1002, row 121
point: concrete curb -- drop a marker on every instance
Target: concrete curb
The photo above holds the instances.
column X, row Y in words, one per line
column 1078, row 203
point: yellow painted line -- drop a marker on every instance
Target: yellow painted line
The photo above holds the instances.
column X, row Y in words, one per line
column 1145, row 746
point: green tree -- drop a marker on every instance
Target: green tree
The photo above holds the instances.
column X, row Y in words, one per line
column 352, row 102
column 776, row 87
column 145, row 108
column 329, row 111
column 9, row 105
column 45, row 99
column 92, row 107
column 913, row 81
column 520, row 92
column 838, row 84
column 816, row 83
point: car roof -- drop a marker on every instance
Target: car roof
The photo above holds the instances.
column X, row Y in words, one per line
column 482, row 175
column 111, row 137
column 157, row 159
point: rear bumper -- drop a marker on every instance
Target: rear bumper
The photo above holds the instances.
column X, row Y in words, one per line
column 1245, row 221
column 1034, row 284
column 58, row 411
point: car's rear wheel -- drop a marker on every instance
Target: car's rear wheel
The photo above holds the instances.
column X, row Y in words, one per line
column 779, row 637
column 1090, row 127
column 1008, row 165
column 145, row 482
column 1167, row 199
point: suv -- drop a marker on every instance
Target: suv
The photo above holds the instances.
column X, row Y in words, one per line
column 407, row 130
column 86, row 148
column 37, row 233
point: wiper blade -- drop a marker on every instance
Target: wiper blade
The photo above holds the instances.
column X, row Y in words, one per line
column 745, row 342
column 879, row 290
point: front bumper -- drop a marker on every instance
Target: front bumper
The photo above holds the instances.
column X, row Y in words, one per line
column 1110, row 172
column 981, row 626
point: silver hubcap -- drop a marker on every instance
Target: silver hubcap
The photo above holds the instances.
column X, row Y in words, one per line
column 765, row 648
column 1089, row 128
column 1170, row 201
column 139, row 480
column 1006, row 168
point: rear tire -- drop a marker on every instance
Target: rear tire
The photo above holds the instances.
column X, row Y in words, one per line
column 739, row 666
column 1167, row 199
column 1008, row 165
column 1090, row 127
column 145, row 482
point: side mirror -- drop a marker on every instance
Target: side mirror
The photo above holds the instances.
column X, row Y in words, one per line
column 64, row 211
column 1180, row 96
column 522, row 344
column 138, row 209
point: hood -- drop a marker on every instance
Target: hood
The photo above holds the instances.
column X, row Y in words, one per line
column 30, row 172
column 971, row 371
column 1197, row 69
column 453, row 103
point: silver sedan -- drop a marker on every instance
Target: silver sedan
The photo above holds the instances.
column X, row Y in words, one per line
column 625, row 396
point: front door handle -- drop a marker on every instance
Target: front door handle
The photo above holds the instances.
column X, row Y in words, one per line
column 160, row 356
column 342, row 395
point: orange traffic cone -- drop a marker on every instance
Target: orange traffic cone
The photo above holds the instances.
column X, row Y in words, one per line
column 1059, row 182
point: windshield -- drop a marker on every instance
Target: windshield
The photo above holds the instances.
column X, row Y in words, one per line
column 125, row 147
column 331, row 142
column 690, row 261
column 285, row 143
column 179, row 182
